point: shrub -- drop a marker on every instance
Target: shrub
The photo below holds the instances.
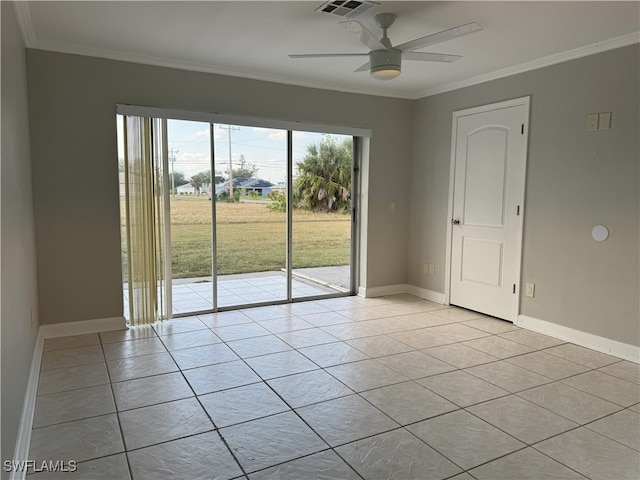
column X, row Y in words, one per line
column 278, row 201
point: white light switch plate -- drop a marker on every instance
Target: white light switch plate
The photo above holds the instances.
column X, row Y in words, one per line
column 592, row 122
column 605, row 121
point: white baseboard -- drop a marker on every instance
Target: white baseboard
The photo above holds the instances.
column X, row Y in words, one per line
column 595, row 342
column 23, row 441
column 382, row 291
column 54, row 330
column 424, row 293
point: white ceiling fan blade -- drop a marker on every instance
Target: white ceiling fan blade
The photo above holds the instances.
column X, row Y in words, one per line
column 440, row 36
column 363, row 68
column 366, row 37
column 327, row 55
column 430, row 57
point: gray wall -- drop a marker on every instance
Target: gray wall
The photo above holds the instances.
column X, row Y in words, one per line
column 575, row 180
column 75, row 177
column 19, row 291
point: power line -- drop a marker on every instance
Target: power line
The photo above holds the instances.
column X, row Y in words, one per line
column 172, row 156
column 229, row 129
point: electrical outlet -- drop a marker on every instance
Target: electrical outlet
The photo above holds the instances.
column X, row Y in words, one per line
column 432, row 269
column 425, row 268
column 530, row 291
column 392, row 205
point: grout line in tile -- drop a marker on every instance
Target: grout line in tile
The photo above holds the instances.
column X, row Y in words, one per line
column 555, row 459
column 586, row 425
column 439, row 452
column 124, row 445
column 73, row 390
column 74, row 420
column 309, row 455
column 559, row 414
column 215, row 427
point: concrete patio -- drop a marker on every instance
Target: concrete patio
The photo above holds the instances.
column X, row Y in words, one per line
column 196, row 294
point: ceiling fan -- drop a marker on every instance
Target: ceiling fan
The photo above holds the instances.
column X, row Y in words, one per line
column 384, row 59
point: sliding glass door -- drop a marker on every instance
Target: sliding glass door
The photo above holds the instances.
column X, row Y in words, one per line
column 191, row 222
column 322, row 215
column 254, row 215
column 251, row 234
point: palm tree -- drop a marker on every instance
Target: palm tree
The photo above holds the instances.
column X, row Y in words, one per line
column 196, row 182
column 324, row 176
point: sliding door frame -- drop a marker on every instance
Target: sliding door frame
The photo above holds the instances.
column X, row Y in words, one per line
column 358, row 135
column 168, row 283
column 214, row 230
column 355, row 209
column 289, row 209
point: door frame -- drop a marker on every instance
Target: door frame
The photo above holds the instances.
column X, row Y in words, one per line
column 360, row 137
column 522, row 101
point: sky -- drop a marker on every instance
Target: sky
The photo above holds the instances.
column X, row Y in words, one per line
column 190, row 146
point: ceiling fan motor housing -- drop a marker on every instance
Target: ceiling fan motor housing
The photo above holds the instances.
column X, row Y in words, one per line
column 385, row 61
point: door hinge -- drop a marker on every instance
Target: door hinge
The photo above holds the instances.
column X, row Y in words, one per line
column 522, row 129
column 514, row 288
column 518, row 210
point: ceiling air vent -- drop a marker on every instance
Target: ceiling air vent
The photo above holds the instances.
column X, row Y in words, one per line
column 344, row 8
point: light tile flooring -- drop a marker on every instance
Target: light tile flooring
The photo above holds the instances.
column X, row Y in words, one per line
column 349, row 388
column 196, row 294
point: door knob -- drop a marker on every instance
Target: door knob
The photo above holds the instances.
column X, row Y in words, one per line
column 455, row 222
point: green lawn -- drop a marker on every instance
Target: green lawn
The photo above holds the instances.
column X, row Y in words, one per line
column 251, row 238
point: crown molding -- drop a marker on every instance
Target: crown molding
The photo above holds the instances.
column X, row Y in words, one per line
column 21, row 7
column 198, row 67
column 31, row 42
column 611, row 44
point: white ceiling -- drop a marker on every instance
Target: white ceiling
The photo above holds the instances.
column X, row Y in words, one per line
column 253, row 39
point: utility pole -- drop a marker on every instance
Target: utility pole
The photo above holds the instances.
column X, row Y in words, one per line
column 172, row 157
column 229, row 129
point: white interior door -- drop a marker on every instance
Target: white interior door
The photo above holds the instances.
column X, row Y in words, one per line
column 488, row 191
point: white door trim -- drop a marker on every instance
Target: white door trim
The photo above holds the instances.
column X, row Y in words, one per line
column 523, row 101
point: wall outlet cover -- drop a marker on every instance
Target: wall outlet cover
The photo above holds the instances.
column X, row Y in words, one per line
column 530, row 290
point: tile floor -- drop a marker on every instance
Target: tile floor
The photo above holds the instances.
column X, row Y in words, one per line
column 196, row 294
column 349, row 388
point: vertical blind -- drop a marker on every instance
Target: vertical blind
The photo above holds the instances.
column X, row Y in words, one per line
column 145, row 153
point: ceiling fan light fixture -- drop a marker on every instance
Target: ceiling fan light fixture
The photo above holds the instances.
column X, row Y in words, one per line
column 385, row 72
column 385, row 64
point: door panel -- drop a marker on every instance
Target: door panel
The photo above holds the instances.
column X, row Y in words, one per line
column 482, row 261
column 251, row 238
column 190, row 216
column 485, row 173
column 490, row 156
column 321, row 226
